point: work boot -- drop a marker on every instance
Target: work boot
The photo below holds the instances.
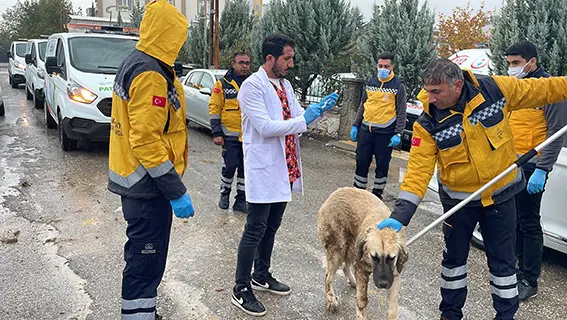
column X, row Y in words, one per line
column 240, row 205
column 526, row 291
column 378, row 193
column 224, row 201
column 158, row 317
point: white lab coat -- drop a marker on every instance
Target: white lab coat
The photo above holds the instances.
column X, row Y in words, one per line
column 263, row 139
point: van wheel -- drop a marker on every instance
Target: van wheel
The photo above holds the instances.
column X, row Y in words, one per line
column 37, row 102
column 66, row 143
column 14, row 83
column 47, row 118
column 29, row 95
column 2, row 110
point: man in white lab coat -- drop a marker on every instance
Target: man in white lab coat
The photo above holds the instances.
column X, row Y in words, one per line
column 271, row 120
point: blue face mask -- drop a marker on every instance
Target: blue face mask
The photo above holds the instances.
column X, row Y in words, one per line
column 383, row 73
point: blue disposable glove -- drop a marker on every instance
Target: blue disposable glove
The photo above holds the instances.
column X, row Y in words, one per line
column 329, row 102
column 353, row 133
column 537, row 181
column 183, row 207
column 390, row 223
column 312, row 112
column 395, row 141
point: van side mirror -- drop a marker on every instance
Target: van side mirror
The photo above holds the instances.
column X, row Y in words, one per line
column 8, row 54
column 28, row 58
column 51, row 65
column 178, row 68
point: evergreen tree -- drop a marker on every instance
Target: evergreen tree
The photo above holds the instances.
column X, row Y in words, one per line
column 198, row 52
column 542, row 22
column 235, row 28
column 322, row 30
column 136, row 15
column 405, row 29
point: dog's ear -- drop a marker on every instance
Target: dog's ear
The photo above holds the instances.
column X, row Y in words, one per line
column 402, row 257
column 360, row 243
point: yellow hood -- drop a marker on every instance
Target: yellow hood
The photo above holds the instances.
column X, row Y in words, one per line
column 162, row 32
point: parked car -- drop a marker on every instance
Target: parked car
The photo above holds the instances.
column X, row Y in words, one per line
column 17, row 63
column 35, row 71
column 198, row 87
column 2, row 110
column 80, row 71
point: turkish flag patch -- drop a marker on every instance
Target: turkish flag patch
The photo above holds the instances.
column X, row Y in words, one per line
column 415, row 142
column 216, row 90
column 159, row 101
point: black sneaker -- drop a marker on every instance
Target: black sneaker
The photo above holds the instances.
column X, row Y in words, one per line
column 224, row 201
column 247, row 302
column 240, row 205
column 526, row 291
column 158, row 317
column 271, row 285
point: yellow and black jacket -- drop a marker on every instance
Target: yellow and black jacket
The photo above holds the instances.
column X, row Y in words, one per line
column 471, row 142
column 383, row 106
column 224, row 111
column 531, row 127
column 148, row 138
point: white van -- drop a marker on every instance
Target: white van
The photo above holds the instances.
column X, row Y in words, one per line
column 17, row 63
column 35, row 71
column 80, row 71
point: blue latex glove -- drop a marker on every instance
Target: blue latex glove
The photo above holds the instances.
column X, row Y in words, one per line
column 329, row 101
column 353, row 133
column 183, row 207
column 394, row 141
column 390, row 223
column 537, row 181
column 312, row 112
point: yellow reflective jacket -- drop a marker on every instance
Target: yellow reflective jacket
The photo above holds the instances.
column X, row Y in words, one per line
column 148, row 139
column 224, row 111
column 472, row 142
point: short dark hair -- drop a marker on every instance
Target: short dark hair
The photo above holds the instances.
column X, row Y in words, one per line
column 525, row 49
column 387, row 56
column 274, row 45
column 440, row 71
column 238, row 54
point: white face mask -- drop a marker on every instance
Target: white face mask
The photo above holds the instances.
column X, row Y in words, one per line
column 518, row 72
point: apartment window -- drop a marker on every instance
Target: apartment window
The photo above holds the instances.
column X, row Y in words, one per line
column 124, row 3
column 172, row 2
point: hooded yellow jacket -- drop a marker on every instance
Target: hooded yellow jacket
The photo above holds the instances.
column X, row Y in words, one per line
column 471, row 142
column 148, row 139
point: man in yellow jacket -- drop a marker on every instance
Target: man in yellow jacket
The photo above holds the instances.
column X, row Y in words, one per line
column 226, row 125
column 465, row 130
column 531, row 127
column 148, row 154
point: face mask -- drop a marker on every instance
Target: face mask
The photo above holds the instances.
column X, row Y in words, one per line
column 518, row 72
column 383, row 73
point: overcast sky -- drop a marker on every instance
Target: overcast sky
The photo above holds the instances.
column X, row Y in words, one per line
column 440, row 6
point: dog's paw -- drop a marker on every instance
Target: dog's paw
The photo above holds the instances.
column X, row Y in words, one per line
column 332, row 305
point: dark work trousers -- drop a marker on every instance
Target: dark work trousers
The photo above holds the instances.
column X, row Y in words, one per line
column 498, row 225
column 232, row 160
column 145, row 253
column 529, row 234
column 262, row 222
column 372, row 144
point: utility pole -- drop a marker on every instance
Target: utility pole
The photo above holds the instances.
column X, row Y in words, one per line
column 212, row 33
column 204, row 17
column 217, row 35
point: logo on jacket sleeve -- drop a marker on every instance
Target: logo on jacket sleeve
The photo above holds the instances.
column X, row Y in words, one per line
column 216, row 90
column 415, row 142
column 158, row 101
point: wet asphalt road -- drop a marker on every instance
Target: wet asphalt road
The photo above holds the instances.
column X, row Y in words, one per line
column 67, row 260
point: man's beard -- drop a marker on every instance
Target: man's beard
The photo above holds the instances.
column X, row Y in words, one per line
column 277, row 71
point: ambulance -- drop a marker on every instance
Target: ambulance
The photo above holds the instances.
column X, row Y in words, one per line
column 80, row 68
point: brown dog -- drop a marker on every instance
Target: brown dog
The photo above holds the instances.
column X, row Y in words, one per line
column 347, row 228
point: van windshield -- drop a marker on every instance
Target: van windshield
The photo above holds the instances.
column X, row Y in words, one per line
column 41, row 46
column 99, row 54
column 21, row 49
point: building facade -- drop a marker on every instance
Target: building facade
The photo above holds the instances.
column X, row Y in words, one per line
column 189, row 8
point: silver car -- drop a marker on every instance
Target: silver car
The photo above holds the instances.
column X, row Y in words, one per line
column 198, row 87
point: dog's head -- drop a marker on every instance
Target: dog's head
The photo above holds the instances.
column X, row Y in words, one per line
column 385, row 251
